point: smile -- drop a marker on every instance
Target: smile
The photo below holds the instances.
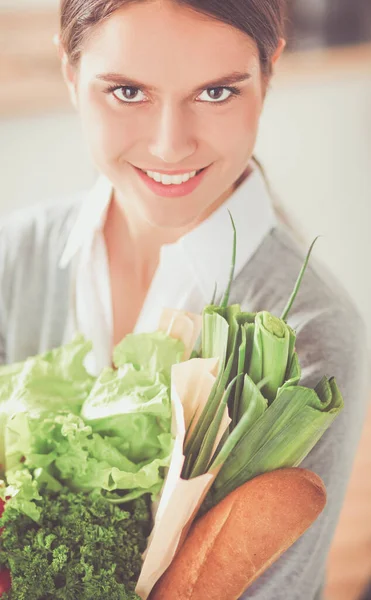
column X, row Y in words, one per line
column 172, row 185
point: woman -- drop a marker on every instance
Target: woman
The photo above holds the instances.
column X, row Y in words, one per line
column 170, row 95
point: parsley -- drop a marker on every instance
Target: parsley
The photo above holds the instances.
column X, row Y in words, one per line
column 82, row 547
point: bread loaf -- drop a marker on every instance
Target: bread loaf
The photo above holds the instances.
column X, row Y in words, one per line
column 237, row 540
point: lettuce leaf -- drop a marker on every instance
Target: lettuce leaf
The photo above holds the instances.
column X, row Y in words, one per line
column 133, row 406
column 110, row 433
column 152, row 352
column 20, row 494
column 54, row 380
column 61, row 448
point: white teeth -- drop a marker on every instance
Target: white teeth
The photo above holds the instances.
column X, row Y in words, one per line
column 170, row 179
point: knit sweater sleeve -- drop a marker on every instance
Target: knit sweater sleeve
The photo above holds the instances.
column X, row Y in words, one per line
column 332, row 345
column 331, row 340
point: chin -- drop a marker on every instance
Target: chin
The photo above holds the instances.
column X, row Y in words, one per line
column 169, row 216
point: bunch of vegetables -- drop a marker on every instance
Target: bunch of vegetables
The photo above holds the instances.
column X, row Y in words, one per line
column 275, row 422
column 85, row 458
column 82, row 458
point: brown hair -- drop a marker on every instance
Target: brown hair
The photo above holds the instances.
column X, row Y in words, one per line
column 262, row 20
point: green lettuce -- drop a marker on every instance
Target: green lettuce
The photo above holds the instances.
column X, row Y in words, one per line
column 154, row 353
column 61, row 448
column 21, row 493
column 54, row 380
column 110, row 433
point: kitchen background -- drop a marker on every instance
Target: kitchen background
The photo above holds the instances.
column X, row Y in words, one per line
column 314, row 142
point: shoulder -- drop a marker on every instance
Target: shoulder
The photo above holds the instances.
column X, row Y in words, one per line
column 27, row 233
column 32, row 288
column 32, row 241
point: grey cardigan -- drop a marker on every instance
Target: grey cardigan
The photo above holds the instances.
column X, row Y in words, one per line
column 331, row 340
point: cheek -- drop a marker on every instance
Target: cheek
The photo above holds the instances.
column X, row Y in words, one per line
column 238, row 131
column 109, row 130
column 249, row 119
column 249, row 124
column 237, row 124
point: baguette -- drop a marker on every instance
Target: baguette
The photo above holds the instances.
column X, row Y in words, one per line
column 230, row 546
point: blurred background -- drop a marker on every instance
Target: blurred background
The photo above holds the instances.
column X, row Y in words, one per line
column 314, row 143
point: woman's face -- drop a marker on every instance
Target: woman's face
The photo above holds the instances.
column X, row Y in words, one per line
column 172, row 117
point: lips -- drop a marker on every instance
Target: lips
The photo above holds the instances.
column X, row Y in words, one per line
column 171, row 190
column 171, row 172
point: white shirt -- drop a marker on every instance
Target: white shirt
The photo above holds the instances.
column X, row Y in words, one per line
column 187, row 272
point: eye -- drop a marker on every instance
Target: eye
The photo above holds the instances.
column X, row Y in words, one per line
column 129, row 95
column 230, row 90
column 123, row 94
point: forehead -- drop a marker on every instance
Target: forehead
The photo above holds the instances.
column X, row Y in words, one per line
column 163, row 42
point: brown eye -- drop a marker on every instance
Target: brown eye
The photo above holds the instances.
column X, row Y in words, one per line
column 216, row 94
column 126, row 94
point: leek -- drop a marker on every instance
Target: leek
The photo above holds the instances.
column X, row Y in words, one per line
column 272, row 352
column 204, row 455
column 233, row 263
column 281, row 437
column 193, row 446
column 275, row 422
column 298, row 282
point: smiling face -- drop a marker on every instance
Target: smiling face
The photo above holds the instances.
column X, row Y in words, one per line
column 150, row 90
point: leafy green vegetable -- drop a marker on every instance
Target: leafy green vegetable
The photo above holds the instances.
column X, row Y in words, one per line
column 281, row 437
column 21, row 493
column 133, row 405
column 272, row 352
column 54, row 380
column 74, row 446
column 61, row 448
column 274, row 421
column 82, row 547
column 154, row 353
column 110, row 433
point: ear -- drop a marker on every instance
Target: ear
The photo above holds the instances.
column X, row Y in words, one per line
column 68, row 71
column 280, row 48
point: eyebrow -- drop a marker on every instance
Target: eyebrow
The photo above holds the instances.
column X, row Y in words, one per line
column 122, row 80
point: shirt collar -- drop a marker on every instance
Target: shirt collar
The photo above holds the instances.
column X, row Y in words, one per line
column 250, row 206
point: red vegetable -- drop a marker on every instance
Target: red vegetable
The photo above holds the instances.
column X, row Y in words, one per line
column 5, row 581
column 2, row 505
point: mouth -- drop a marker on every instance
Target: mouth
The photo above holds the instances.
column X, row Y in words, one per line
column 153, row 170
column 172, row 190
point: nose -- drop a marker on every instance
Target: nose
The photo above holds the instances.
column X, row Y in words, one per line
column 173, row 141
